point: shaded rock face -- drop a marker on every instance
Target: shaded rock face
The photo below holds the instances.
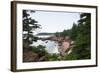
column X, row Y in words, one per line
column 29, row 56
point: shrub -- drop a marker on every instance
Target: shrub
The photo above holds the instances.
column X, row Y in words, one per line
column 52, row 57
column 39, row 49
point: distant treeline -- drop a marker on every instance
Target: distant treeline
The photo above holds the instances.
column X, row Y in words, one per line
column 45, row 33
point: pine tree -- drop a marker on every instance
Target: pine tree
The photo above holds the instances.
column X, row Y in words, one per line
column 82, row 37
column 29, row 25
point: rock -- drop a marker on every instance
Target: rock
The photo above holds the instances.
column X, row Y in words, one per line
column 42, row 58
column 30, row 56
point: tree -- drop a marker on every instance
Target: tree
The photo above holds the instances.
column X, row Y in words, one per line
column 81, row 35
column 40, row 50
column 82, row 48
column 74, row 31
column 29, row 25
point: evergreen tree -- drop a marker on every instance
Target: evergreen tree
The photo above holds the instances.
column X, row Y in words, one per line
column 29, row 25
column 73, row 33
column 82, row 35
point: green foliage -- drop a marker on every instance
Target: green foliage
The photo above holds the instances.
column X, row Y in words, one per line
column 39, row 50
column 74, row 32
column 64, row 33
column 57, row 34
column 82, row 38
column 71, row 56
column 29, row 25
column 81, row 34
column 52, row 57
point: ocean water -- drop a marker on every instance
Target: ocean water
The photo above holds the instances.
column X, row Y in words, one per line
column 51, row 46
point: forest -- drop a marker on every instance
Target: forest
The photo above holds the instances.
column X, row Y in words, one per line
column 80, row 33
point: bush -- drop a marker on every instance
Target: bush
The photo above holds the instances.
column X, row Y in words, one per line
column 40, row 50
column 52, row 57
column 71, row 56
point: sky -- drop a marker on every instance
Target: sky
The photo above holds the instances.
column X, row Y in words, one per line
column 51, row 21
